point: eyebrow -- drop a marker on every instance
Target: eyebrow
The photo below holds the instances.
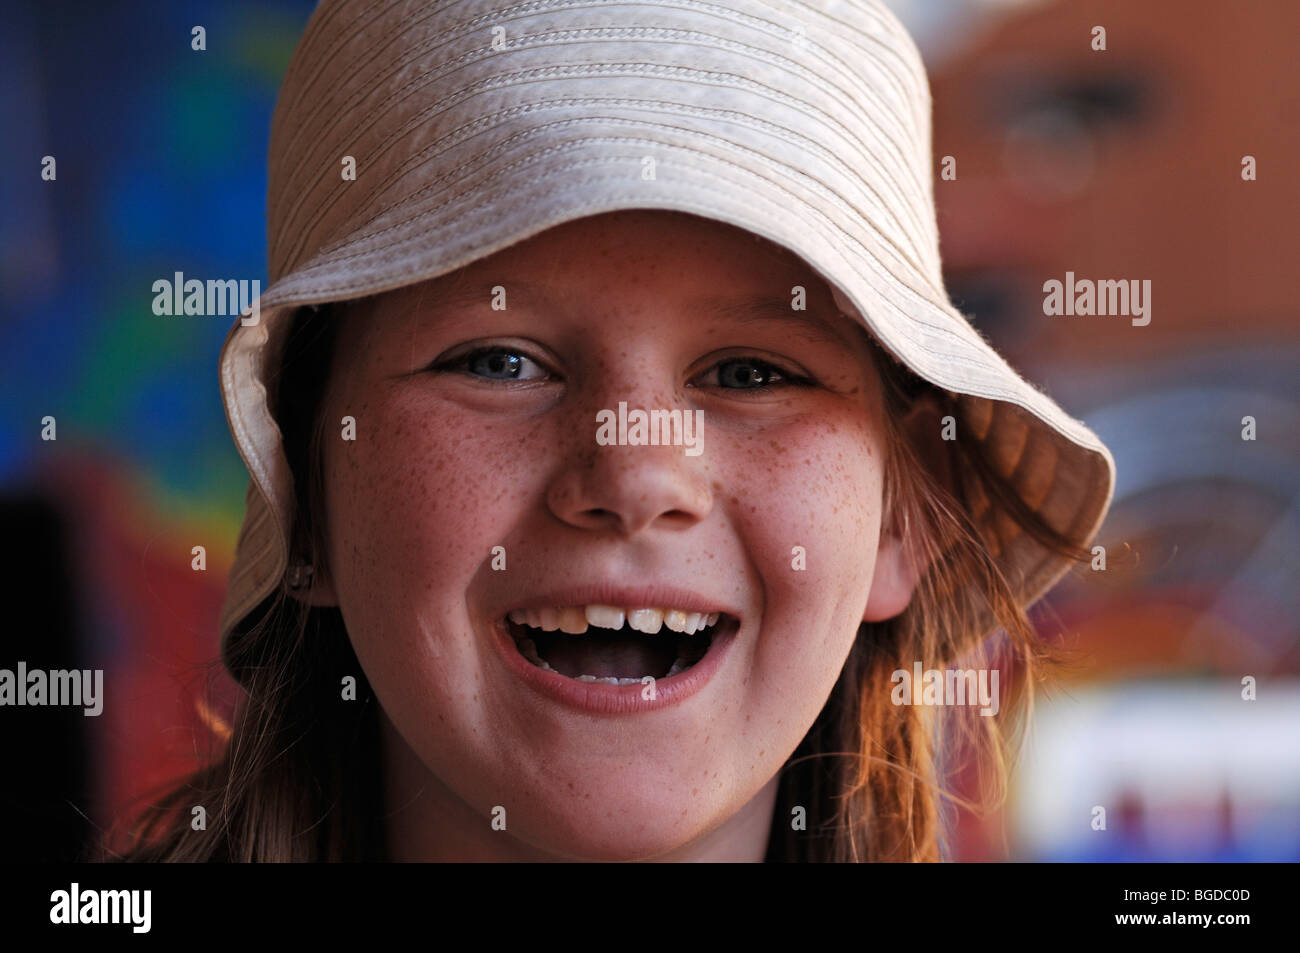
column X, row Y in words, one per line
column 747, row 309
column 758, row 308
column 460, row 296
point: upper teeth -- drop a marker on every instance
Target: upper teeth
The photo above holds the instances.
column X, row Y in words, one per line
column 574, row 620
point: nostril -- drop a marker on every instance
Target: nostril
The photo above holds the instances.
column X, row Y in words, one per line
column 678, row 516
column 601, row 516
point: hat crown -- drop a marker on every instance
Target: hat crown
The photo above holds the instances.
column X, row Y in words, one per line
column 406, row 95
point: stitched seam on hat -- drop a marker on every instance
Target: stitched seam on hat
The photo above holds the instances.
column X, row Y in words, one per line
column 1089, row 514
column 307, row 52
column 926, row 231
column 864, row 146
column 711, row 41
column 866, row 190
column 315, row 30
column 709, row 211
column 523, row 11
column 364, row 242
column 398, row 27
column 370, row 240
column 571, row 70
column 723, row 12
column 598, row 70
column 849, row 102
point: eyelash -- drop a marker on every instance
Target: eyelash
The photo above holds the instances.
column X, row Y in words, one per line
column 787, row 378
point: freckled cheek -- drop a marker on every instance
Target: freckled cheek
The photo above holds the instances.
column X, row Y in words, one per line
column 821, row 493
column 820, row 490
column 416, row 497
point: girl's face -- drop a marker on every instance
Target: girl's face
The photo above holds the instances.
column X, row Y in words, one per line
column 481, row 481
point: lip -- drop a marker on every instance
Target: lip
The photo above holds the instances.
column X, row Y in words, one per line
column 602, row 699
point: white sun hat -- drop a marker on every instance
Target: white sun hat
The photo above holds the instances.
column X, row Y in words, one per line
column 474, row 125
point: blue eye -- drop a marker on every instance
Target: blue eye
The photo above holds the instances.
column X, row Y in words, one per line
column 502, row 363
column 496, row 363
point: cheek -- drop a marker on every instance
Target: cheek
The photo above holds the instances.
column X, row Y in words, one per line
column 413, row 505
column 812, row 516
column 814, row 503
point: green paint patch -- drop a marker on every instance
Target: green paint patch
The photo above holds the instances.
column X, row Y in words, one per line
column 264, row 42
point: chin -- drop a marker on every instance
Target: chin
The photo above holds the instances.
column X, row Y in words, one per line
column 623, row 829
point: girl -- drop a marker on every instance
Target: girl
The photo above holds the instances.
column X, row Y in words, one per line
column 470, row 628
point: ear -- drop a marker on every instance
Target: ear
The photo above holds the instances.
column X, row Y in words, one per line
column 897, row 570
column 318, row 592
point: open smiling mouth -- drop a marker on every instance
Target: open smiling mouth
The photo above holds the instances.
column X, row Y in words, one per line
column 612, row 645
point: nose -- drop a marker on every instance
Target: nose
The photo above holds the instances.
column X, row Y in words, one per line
column 627, row 488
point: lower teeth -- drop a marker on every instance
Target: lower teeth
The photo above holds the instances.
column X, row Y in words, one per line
column 609, row 680
column 528, row 649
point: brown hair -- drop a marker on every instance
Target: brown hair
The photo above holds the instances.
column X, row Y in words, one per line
column 868, row 771
column 298, row 779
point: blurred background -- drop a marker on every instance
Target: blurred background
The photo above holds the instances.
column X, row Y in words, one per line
column 1124, row 164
